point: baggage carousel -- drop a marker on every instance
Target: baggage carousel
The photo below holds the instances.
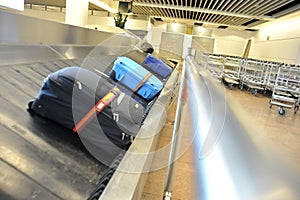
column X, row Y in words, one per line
column 38, row 158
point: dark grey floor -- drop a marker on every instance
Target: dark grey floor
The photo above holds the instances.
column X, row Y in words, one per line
column 38, row 158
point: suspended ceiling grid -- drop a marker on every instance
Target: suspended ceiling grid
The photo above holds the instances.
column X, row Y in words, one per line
column 222, row 12
column 218, row 13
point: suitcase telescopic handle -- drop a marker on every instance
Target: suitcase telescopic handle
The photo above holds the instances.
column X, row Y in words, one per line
column 101, row 104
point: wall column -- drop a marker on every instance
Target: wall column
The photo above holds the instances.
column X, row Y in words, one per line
column 77, row 12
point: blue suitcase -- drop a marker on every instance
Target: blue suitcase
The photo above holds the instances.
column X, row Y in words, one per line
column 157, row 66
column 136, row 78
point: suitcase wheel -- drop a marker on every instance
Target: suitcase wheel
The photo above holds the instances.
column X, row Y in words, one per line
column 30, row 104
column 112, row 75
column 30, row 109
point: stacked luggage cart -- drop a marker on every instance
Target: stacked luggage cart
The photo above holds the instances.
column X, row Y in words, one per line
column 271, row 70
column 215, row 65
column 231, row 71
column 286, row 90
column 279, row 80
column 252, row 77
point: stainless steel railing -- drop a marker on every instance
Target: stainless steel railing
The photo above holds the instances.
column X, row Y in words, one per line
column 232, row 160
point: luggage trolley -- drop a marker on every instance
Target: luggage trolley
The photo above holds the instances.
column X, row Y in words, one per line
column 252, row 76
column 231, row 71
column 286, row 91
column 204, row 60
column 215, row 65
column 271, row 70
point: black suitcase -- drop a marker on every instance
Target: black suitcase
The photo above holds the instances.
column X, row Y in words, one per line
column 67, row 96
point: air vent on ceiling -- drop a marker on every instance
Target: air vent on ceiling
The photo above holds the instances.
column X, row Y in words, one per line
column 283, row 8
column 158, row 19
column 222, row 27
column 198, row 24
column 250, row 22
column 250, row 29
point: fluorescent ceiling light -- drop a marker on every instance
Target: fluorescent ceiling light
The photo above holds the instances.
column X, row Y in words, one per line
column 14, row 4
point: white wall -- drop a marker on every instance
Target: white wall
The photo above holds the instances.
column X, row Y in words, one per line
column 187, row 43
column 51, row 16
column 229, row 42
column 136, row 24
column 77, row 13
column 155, row 33
column 278, row 40
column 283, row 43
column 101, row 22
column 176, row 28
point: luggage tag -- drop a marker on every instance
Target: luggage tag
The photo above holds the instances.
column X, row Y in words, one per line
column 102, row 103
column 142, row 82
column 119, row 100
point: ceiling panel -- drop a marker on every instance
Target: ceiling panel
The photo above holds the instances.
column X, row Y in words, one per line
column 231, row 13
column 240, row 13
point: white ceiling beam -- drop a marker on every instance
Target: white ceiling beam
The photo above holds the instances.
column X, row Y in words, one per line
column 274, row 6
column 216, row 18
column 225, row 4
column 227, row 9
column 154, row 11
column 266, row 18
column 258, row 6
column 204, row 5
column 194, row 13
column 211, row 17
column 219, row 4
column 191, row 15
column 160, row 11
column 168, row 12
column 238, row 6
column 246, row 8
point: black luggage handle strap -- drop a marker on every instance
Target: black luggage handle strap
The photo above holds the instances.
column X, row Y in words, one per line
column 101, row 104
column 142, row 82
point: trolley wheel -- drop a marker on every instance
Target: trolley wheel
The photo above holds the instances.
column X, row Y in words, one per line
column 230, row 86
column 281, row 111
column 270, row 102
column 254, row 92
column 296, row 109
column 241, row 87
